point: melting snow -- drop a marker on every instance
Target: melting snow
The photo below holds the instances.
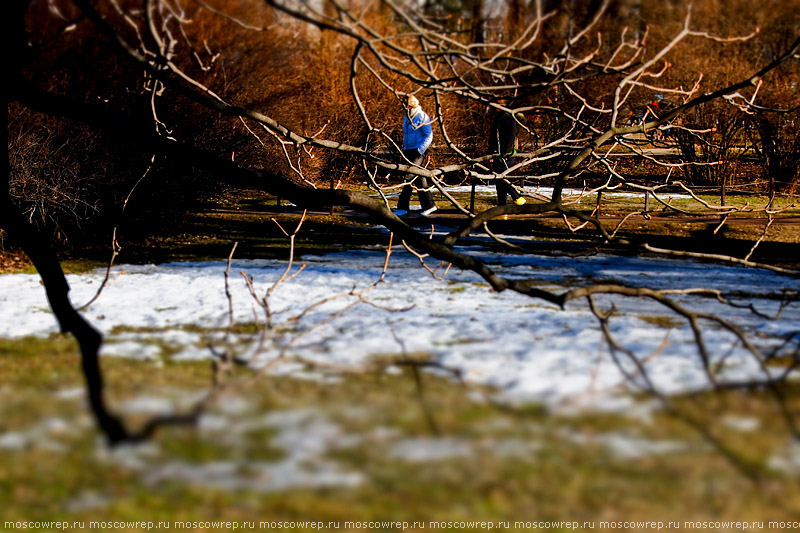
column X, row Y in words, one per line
column 422, row 450
column 304, row 436
column 529, row 349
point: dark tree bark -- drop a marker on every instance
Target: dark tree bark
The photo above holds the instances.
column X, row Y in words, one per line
column 36, row 247
column 478, row 22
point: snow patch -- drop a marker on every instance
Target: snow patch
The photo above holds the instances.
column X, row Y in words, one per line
column 529, row 350
column 424, row 450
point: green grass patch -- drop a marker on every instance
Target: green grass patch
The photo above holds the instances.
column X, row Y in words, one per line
column 437, row 452
column 662, row 321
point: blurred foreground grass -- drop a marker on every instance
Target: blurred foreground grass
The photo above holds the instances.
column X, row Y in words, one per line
column 370, row 447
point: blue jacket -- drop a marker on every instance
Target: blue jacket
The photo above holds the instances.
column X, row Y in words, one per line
column 417, row 132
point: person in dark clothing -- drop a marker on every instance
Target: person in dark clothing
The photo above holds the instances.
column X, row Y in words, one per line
column 503, row 141
column 417, row 138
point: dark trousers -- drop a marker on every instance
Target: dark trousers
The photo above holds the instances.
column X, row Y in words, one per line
column 418, row 182
column 504, row 188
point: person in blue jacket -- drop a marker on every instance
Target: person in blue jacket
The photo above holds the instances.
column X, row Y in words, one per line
column 417, row 138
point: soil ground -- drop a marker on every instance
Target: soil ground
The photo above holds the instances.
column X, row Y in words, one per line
column 249, row 217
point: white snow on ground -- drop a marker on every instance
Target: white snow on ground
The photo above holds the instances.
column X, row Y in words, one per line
column 626, row 446
column 528, row 348
column 303, row 435
column 421, row 450
column 788, row 459
column 544, row 193
column 568, row 194
column 42, row 435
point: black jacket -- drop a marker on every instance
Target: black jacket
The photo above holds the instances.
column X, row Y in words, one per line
column 504, row 134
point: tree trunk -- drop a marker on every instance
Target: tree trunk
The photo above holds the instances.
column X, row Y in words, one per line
column 478, row 22
column 70, row 321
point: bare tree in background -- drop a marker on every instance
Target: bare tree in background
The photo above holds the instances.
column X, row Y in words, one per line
column 584, row 99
